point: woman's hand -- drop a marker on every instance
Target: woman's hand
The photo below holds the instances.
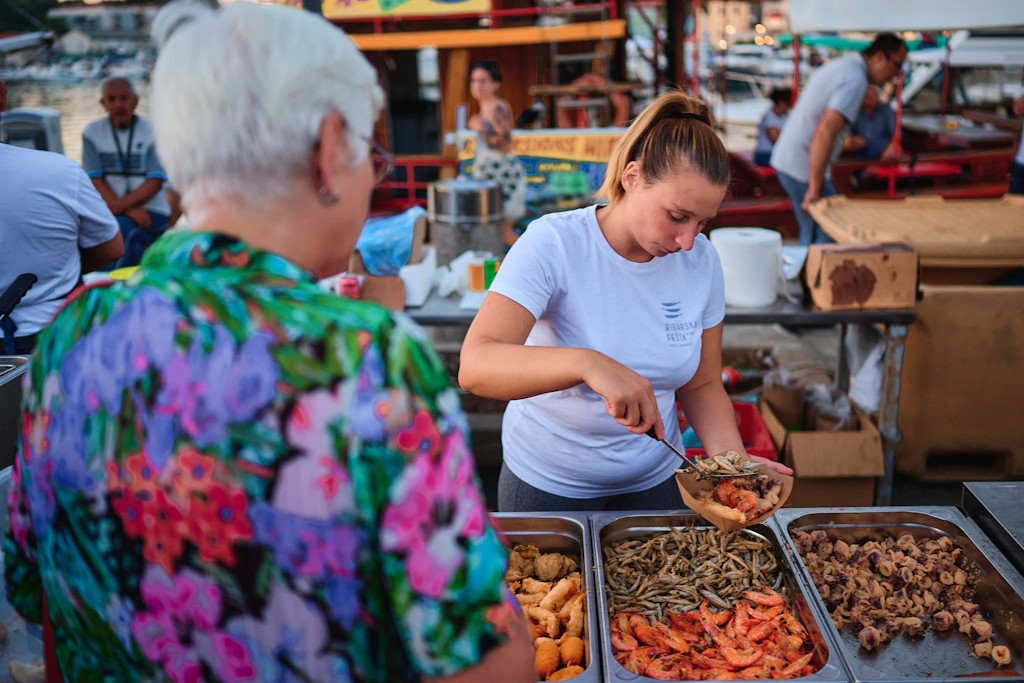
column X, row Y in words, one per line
column 771, row 464
column 476, row 123
column 628, row 397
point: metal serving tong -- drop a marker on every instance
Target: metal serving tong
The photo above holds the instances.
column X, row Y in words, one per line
column 699, row 470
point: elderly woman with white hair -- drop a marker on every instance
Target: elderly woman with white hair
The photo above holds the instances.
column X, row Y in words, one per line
column 225, row 473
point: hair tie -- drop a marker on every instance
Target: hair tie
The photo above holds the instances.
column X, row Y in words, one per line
column 689, row 115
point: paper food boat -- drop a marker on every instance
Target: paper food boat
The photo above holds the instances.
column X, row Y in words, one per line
column 694, row 490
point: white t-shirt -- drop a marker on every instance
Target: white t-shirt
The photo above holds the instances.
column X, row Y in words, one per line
column 109, row 157
column 1020, row 148
column 48, row 210
column 840, row 85
column 648, row 316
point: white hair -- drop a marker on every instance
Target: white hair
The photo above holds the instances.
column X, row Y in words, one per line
column 111, row 81
column 239, row 94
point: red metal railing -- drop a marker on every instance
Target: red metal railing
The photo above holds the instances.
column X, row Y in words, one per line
column 408, row 183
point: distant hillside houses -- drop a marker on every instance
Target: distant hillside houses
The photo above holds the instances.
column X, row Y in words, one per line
column 106, row 26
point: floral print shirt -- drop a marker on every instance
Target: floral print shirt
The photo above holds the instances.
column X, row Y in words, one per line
column 227, row 474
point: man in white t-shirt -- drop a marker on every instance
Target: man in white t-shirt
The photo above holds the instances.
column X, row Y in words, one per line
column 1017, row 179
column 803, row 154
column 53, row 224
column 119, row 154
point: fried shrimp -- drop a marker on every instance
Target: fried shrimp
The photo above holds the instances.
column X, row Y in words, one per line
column 557, row 596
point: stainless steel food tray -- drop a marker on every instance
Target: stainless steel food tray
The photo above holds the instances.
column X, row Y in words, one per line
column 998, row 508
column 610, row 527
column 567, row 533
column 933, row 657
column 11, row 370
column 12, row 367
column 24, row 639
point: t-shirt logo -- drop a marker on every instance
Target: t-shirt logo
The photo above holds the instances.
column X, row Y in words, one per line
column 677, row 332
column 671, row 309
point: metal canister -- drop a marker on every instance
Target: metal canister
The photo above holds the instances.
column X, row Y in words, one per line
column 465, row 215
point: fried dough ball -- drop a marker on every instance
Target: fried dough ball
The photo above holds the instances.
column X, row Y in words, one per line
column 545, row 658
column 1001, row 655
column 566, row 673
column 571, row 650
column 983, row 650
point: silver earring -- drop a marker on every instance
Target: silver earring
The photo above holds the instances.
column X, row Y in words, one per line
column 327, row 197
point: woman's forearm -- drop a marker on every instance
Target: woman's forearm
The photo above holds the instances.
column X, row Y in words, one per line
column 709, row 409
column 505, row 371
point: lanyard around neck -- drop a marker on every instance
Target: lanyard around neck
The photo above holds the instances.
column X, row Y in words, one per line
column 121, row 156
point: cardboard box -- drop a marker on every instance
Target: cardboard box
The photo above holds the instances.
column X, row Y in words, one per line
column 854, row 276
column 388, row 291
column 830, row 468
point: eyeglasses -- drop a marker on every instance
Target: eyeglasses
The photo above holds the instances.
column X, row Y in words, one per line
column 383, row 161
column 897, row 64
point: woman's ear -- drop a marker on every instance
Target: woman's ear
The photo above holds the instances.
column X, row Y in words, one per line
column 330, row 151
column 632, row 176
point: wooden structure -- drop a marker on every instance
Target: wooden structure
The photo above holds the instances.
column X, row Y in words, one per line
column 542, row 46
column 534, row 42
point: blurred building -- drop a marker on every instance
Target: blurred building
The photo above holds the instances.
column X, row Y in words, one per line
column 775, row 16
column 723, row 19
column 108, row 26
column 74, row 42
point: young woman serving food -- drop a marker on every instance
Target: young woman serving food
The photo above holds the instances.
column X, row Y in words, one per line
column 601, row 318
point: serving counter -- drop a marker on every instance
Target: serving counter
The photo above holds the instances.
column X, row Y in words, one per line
column 622, row 545
column 604, row 543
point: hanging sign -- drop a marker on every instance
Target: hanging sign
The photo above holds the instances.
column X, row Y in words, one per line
column 340, row 10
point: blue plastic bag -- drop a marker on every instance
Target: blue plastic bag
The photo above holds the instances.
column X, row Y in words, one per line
column 386, row 242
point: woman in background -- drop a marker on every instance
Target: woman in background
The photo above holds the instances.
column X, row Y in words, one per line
column 494, row 159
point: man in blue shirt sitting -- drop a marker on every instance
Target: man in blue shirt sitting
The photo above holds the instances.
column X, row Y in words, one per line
column 872, row 132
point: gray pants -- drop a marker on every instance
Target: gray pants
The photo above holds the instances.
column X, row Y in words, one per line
column 515, row 495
